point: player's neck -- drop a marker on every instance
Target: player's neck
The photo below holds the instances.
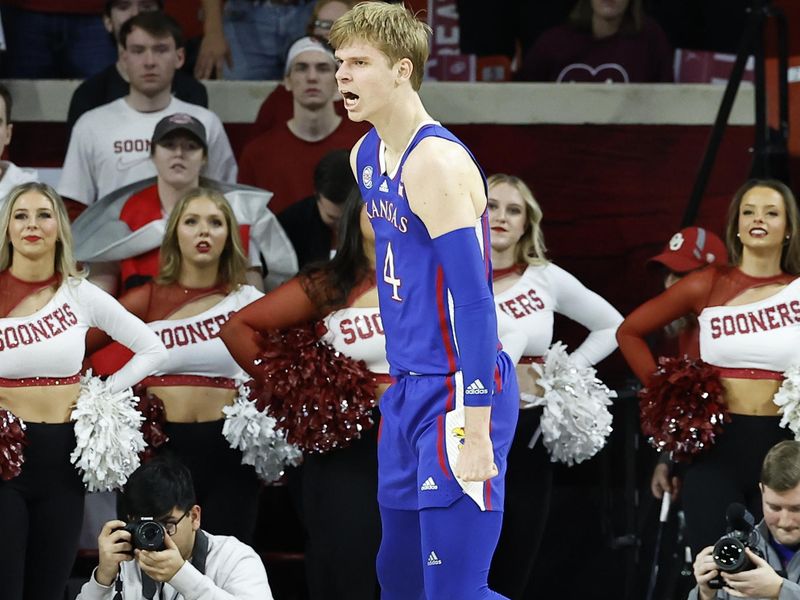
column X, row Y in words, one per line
column 313, row 125
column 169, row 194
column 398, row 121
column 145, row 104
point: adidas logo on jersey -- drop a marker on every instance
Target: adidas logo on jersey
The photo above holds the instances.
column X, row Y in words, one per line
column 384, row 188
column 433, row 560
column 429, row 485
column 476, row 387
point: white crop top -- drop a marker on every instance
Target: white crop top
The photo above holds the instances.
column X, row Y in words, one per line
column 358, row 333
column 546, row 289
column 51, row 342
column 193, row 343
column 761, row 335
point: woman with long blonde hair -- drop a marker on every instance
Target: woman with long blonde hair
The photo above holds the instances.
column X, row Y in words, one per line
column 200, row 284
column 530, row 290
column 46, row 308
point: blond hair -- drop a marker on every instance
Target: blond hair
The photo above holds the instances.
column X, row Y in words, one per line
column 790, row 254
column 232, row 261
column 64, row 259
column 530, row 247
column 391, row 28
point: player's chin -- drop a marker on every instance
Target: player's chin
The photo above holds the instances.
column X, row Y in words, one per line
column 356, row 117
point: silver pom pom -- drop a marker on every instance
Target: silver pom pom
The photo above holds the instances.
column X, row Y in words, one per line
column 575, row 421
column 788, row 399
column 107, row 436
column 254, row 434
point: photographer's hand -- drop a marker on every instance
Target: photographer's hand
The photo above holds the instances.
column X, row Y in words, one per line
column 705, row 569
column 162, row 565
column 761, row 582
column 113, row 545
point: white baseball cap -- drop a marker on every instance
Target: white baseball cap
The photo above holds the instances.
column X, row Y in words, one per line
column 307, row 44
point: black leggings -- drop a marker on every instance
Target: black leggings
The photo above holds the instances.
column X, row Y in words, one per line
column 227, row 491
column 728, row 472
column 41, row 512
column 529, row 481
column 340, row 510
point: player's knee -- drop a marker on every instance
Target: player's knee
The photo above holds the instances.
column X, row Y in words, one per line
column 399, row 574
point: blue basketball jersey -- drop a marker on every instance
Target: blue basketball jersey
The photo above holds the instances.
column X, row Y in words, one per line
column 416, row 308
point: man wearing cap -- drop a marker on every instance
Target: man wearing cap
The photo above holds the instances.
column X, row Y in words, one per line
column 110, row 145
column 282, row 160
column 112, row 82
column 690, row 249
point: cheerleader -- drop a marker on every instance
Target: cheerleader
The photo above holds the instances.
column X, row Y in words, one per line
column 339, row 488
column 201, row 282
column 46, row 308
column 530, row 289
column 748, row 316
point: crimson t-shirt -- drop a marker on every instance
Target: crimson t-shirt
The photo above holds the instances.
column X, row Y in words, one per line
column 282, row 163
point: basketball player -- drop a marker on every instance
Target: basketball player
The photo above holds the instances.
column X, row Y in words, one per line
column 449, row 418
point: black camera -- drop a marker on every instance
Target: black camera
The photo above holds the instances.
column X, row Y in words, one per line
column 146, row 534
column 729, row 554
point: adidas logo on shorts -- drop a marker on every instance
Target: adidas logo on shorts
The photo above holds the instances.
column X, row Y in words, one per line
column 429, row 485
column 433, row 560
column 476, row 387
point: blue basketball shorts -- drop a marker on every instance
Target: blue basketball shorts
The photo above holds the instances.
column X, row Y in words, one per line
column 421, row 434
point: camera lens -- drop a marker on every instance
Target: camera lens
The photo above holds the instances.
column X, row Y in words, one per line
column 150, row 536
column 729, row 554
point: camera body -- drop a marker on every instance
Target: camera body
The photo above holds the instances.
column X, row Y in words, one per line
column 146, row 534
column 729, row 551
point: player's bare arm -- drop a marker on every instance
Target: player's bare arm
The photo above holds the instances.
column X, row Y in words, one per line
column 445, row 190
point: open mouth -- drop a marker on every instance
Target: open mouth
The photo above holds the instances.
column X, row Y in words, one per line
column 203, row 247
column 350, row 100
column 500, row 229
column 758, row 232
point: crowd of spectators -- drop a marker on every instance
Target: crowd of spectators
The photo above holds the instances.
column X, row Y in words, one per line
column 141, row 133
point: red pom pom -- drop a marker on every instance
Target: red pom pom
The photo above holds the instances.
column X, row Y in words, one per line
column 12, row 441
column 682, row 409
column 152, row 409
column 320, row 397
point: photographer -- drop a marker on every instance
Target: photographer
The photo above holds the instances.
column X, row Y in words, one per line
column 183, row 562
column 777, row 575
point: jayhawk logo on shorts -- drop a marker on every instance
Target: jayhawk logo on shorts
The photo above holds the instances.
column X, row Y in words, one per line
column 458, row 432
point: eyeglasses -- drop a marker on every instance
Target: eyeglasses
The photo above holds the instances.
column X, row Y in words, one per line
column 325, row 24
column 171, row 527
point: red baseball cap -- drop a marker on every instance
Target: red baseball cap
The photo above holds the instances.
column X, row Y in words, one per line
column 691, row 248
